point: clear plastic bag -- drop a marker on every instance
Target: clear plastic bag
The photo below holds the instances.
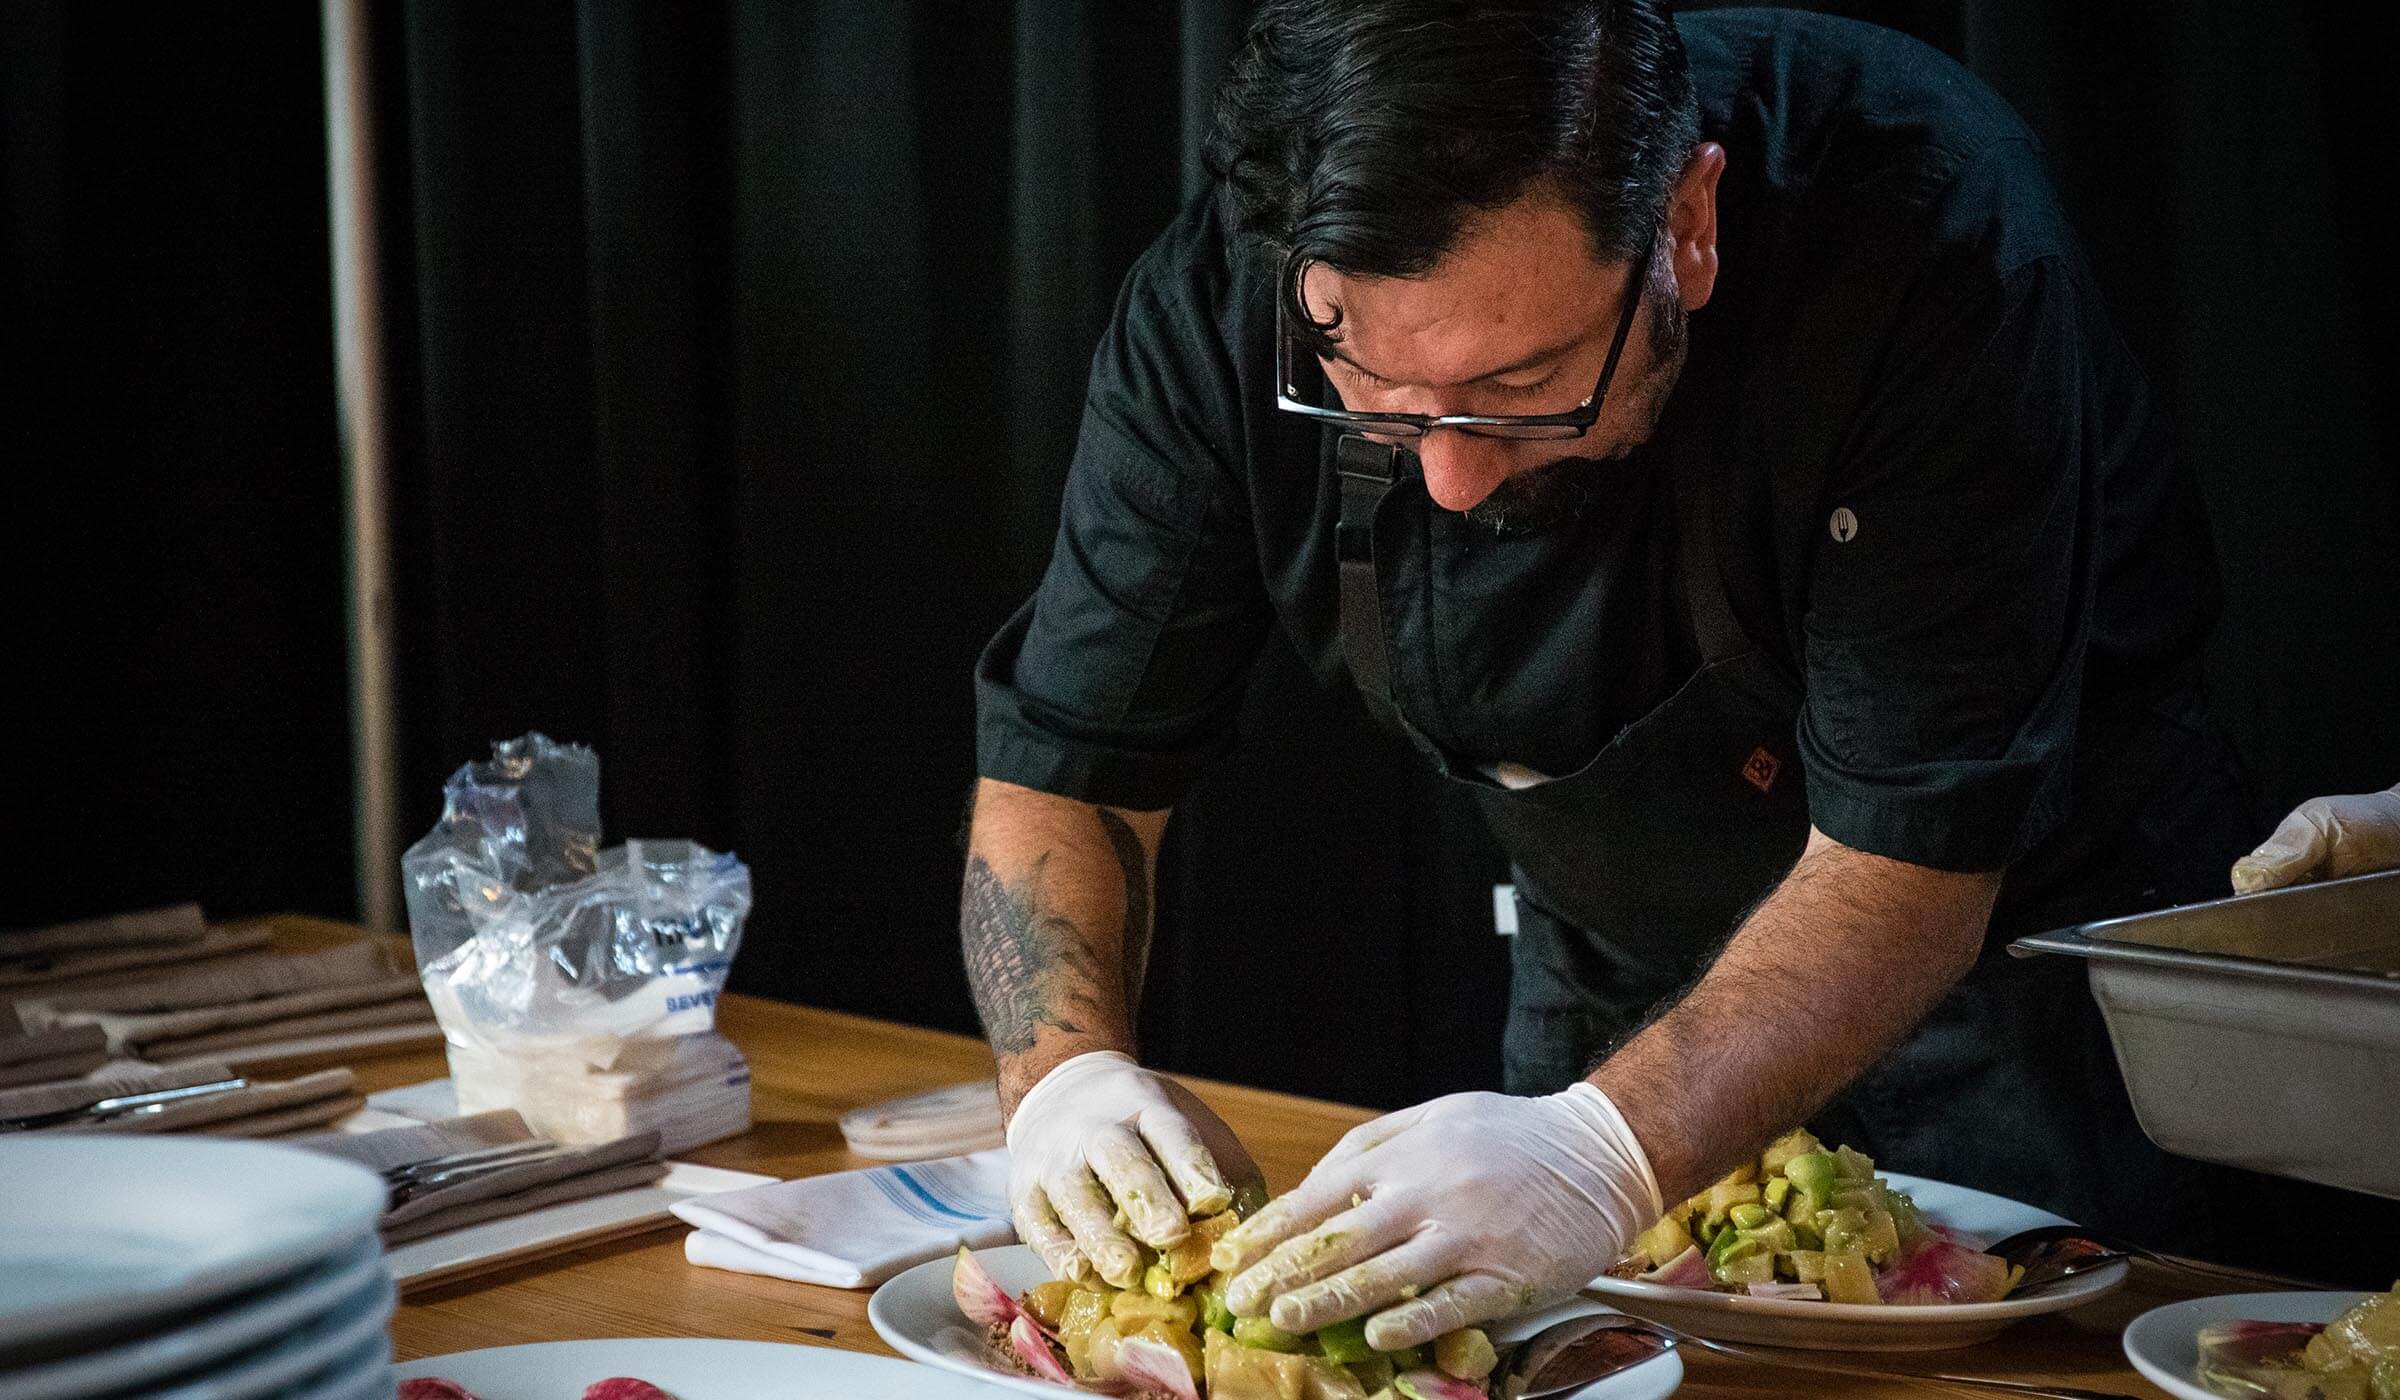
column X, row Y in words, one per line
column 576, row 985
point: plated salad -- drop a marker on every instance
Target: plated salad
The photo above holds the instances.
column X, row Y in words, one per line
column 1174, row 1337
column 1804, row 1222
column 2354, row 1357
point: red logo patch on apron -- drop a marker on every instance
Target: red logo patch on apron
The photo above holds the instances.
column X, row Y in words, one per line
column 1760, row 769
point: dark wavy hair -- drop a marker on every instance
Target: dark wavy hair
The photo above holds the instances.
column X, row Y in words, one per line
column 1364, row 134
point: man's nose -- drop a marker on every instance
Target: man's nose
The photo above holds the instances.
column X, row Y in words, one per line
column 1460, row 468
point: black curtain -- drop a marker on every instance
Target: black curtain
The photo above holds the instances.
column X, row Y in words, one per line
column 171, row 655
column 737, row 350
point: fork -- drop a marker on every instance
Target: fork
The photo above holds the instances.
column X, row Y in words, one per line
column 122, row 1106
column 2049, row 1253
column 1538, row 1385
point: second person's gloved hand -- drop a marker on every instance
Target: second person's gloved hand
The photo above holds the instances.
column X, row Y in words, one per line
column 1460, row 1210
column 2326, row 838
column 1099, row 1132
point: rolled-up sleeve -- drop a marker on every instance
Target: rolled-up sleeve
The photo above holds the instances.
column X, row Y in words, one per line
column 1121, row 679
column 1950, row 607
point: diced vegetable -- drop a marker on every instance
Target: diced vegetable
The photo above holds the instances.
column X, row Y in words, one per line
column 1663, row 1241
column 1086, row 1308
column 1374, row 1373
column 1781, row 1151
column 1466, row 1353
column 1187, row 1260
column 1137, row 1308
column 1237, row 1372
column 1345, row 1341
column 1099, row 1358
column 1266, row 1336
column 1213, row 1313
column 1849, row 1278
column 1159, row 1282
column 1323, row 1380
column 1046, row 1301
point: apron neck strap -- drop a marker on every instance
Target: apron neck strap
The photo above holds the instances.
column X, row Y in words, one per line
column 1366, row 470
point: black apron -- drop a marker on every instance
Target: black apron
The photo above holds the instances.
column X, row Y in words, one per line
column 1635, row 868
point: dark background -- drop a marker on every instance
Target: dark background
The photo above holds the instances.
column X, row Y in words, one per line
column 736, row 351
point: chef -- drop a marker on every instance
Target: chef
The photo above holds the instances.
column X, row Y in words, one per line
column 1703, row 440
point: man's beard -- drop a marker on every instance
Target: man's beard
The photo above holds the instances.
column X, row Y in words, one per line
column 1556, row 493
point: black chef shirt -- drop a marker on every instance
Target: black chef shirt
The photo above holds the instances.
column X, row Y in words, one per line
column 1903, row 330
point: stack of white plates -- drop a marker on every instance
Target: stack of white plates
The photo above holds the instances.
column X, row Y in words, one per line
column 197, row 1268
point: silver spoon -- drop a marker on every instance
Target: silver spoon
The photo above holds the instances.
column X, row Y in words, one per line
column 1569, row 1354
column 2053, row 1252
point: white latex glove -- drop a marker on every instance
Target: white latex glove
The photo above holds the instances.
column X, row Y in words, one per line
column 1099, row 1132
column 1460, row 1210
column 2323, row 839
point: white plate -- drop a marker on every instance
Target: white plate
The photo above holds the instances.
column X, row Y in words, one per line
column 2163, row 1343
column 690, row 1369
column 1795, row 1322
column 916, row 1313
column 110, row 1230
column 299, row 1355
column 365, row 1374
column 186, row 1342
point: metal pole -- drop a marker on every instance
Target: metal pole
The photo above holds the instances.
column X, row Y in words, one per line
column 359, row 387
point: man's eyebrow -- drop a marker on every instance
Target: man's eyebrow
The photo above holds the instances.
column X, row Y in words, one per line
column 1334, row 349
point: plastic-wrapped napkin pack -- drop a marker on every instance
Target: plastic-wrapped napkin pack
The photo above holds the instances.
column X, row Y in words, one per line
column 576, row 985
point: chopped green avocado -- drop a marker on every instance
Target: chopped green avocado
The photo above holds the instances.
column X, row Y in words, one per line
column 1345, row 1341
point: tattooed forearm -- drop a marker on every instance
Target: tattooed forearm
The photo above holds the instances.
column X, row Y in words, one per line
column 1134, row 865
column 1028, row 966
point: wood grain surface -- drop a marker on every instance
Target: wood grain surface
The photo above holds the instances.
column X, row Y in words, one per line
column 809, row 1066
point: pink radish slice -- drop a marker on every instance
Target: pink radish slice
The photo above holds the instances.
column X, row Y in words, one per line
column 1034, row 1350
column 1686, row 1270
column 1942, row 1271
column 985, row 1303
column 2249, row 1357
column 1150, row 1364
column 1786, row 1290
column 1436, row 1385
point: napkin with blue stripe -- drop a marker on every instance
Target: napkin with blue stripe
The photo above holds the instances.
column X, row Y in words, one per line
column 853, row 1229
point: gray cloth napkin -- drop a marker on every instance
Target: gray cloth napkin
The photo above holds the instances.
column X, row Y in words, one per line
column 18, row 1045
column 247, row 979
column 52, row 1068
column 585, row 1171
column 257, row 1000
column 120, row 1078
column 409, row 1012
column 178, row 923
column 49, row 973
column 574, row 1188
column 308, row 1101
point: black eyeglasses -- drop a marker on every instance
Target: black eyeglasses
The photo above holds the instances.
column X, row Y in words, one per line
column 1573, row 423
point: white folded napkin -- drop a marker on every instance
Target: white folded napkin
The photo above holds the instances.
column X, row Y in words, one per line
column 853, row 1229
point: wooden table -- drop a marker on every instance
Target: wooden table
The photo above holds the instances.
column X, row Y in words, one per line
column 809, row 1066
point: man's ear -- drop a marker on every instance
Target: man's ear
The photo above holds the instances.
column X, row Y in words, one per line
column 1692, row 225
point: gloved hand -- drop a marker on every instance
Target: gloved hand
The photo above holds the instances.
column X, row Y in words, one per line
column 1467, row 1208
column 2325, row 838
column 1099, row 1132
